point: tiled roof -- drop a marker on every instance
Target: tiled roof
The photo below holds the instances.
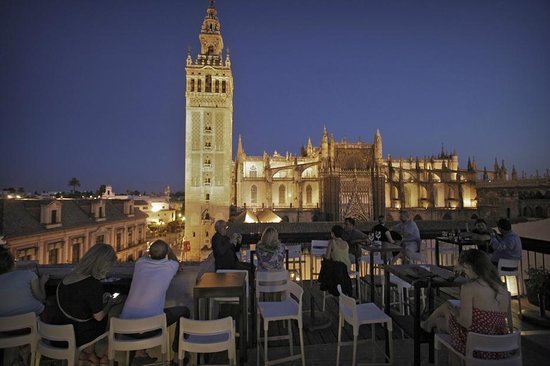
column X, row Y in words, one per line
column 22, row 217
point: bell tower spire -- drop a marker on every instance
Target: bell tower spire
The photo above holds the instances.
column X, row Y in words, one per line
column 208, row 134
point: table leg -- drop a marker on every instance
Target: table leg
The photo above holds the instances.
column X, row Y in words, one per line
column 387, row 306
column 244, row 327
column 437, row 252
column 372, row 277
column 416, row 326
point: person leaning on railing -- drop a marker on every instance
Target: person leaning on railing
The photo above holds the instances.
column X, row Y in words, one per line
column 22, row 291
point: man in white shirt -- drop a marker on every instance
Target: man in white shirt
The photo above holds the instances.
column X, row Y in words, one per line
column 410, row 238
column 152, row 276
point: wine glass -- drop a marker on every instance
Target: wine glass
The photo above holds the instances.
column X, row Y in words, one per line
column 371, row 237
column 378, row 235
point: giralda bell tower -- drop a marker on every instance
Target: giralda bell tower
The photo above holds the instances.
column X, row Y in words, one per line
column 208, row 135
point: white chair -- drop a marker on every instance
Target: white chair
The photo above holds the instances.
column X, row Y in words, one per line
column 510, row 267
column 357, row 315
column 351, row 274
column 19, row 322
column 486, row 343
column 48, row 333
column 295, row 259
column 207, row 336
column 119, row 339
column 290, row 308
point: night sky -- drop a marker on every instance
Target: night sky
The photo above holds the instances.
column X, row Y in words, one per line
column 95, row 89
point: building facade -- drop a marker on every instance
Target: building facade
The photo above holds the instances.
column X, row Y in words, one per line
column 208, row 136
column 62, row 230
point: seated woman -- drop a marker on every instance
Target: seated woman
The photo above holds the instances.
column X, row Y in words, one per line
column 338, row 248
column 484, row 303
column 481, row 235
column 81, row 301
column 270, row 251
column 22, row 291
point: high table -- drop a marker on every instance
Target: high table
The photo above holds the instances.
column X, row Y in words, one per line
column 383, row 249
column 460, row 242
column 232, row 284
column 438, row 277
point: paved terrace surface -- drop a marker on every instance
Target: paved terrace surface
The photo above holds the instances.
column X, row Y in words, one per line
column 320, row 345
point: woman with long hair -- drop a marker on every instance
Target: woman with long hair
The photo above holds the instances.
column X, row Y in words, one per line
column 338, row 248
column 270, row 251
column 81, row 301
column 484, row 303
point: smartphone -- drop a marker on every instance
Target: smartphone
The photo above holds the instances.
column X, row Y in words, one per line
column 115, row 295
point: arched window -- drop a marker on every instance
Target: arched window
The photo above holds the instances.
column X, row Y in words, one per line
column 217, row 86
column 282, row 194
column 192, row 85
column 308, row 194
column 223, row 86
column 208, row 84
column 199, row 84
column 527, row 212
column 253, row 194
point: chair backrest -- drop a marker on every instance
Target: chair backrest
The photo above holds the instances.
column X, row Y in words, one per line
column 240, row 271
column 296, row 293
column 294, row 250
column 318, row 247
column 207, row 327
column 132, row 326
column 61, row 333
column 271, row 281
column 494, row 343
column 347, row 306
column 508, row 267
column 17, row 322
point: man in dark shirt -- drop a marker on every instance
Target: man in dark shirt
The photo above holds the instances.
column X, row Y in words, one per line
column 225, row 249
column 353, row 237
column 385, row 234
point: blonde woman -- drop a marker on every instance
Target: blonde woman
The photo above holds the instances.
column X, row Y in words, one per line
column 80, row 298
column 270, row 251
column 484, row 303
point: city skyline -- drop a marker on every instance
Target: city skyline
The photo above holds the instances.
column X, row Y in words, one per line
column 95, row 90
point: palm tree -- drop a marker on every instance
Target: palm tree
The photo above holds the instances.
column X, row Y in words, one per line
column 74, row 182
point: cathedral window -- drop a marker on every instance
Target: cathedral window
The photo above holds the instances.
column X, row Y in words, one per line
column 308, row 194
column 223, row 86
column 253, row 194
column 253, row 173
column 217, row 86
column 208, row 84
column 282, row 194
column 199, row 85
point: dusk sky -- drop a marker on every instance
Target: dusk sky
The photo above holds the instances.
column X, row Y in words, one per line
column 95, row 89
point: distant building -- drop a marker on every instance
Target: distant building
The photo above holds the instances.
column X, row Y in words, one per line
column 62, row 230
column 501, row 195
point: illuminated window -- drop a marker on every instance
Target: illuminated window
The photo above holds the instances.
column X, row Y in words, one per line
column 253, row 194
column 253, row 173
column 282, row 194
column 308, row 194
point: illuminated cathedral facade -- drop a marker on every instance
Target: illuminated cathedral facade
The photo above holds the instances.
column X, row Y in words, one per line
column 329, row 182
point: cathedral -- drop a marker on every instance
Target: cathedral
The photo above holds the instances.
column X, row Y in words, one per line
column 329, row 182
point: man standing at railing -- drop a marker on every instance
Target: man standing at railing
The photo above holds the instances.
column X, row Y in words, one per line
column 410, row 238
column 507, row 245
